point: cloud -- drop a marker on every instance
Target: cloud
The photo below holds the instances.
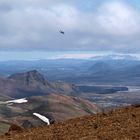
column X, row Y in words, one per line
column 102, row 26
column 118, row 19
column 75, row 56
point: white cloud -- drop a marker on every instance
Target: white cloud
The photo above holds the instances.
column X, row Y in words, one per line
column 85, row 41
column 75, row 56
column 118, row 18
column 35, row 25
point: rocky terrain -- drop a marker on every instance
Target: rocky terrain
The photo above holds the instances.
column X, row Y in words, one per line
column 120, row 124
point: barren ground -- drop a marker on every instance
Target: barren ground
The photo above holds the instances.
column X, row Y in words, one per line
column 120, row 124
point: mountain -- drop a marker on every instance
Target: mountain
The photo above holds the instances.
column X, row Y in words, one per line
column 118, row 124
column 115, row 72
column 32, row 78
column 32, row 83
column 100, row 67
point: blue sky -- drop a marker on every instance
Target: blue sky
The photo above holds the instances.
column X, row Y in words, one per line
column 97, row 26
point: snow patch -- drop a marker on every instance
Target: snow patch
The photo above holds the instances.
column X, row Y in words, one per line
column 43, row 118
column 18, row 101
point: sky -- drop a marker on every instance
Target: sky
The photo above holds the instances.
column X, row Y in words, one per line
column 30, row 28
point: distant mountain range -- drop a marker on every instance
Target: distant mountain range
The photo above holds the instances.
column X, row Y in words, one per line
column 108, row 69
column 105, row 70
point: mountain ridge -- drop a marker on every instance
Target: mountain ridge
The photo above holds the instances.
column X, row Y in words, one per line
column 32, row 83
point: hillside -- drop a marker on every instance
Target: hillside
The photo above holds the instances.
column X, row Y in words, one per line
column 56, row 107
column 120, row 124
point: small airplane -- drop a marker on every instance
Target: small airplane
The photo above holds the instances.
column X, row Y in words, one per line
column 62, row 32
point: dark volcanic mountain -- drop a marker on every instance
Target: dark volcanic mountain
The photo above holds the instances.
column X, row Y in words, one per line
column 29, row 78
column 32, row 83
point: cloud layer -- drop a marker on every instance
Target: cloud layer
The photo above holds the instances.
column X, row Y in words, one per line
column 110, row 25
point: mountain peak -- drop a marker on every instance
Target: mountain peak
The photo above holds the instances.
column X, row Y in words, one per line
column 29, row 77
column 33, row 71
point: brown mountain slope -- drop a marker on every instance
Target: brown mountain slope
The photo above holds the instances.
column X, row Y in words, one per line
column 56, row 107
column 120, row 124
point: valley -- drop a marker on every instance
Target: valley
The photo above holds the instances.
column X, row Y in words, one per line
column 108, row 96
